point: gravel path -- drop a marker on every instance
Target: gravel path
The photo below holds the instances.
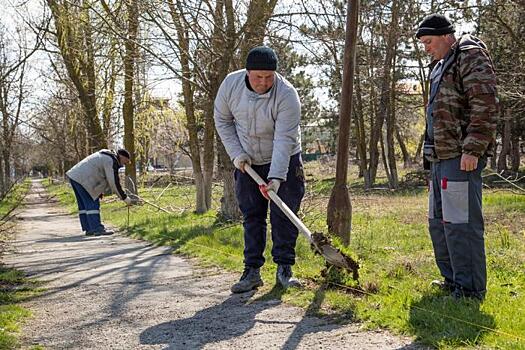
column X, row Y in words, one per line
column 118, row 293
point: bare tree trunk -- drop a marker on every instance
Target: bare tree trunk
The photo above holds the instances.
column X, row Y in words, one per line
column 376, row 127
column 7, row 168
column 339, row 216
column 493, row 159
column 419, row 148
column 12, row 96
column 128, row 107
column 386, row 100
column 390, row 135
column 74, row 39
column 424, row 83
column 360, row 130
column 254, row 29
column 229, row 210
column 189, row 104
column 505, row 144
column 384, row 158
column 403, row 147
column 109, row 98
column 224, row 46
column 3, row 186
column 515, row 149
column 229, row 206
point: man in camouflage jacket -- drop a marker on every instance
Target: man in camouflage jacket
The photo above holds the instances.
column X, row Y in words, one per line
column 461, row 120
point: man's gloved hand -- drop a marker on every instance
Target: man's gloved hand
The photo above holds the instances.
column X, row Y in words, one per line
column 273, row 185
column 240, row 160
column 128, row 201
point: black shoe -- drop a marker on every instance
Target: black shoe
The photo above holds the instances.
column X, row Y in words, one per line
column 103, row 233
column 446, row 285
column 460, row 293
column 284, row 277
column 250, row 279
column 90, row 233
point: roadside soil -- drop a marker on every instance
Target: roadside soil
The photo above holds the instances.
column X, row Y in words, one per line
column 114, row 292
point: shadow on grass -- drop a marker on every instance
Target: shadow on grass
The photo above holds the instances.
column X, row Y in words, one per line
column 440, row 320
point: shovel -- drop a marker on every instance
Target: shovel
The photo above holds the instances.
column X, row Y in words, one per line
column 320, row 243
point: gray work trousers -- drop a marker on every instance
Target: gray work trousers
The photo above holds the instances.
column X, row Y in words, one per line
column 456, row 224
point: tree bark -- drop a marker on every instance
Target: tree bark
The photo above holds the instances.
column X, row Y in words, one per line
column 419, row 148
column 229, row 210
column 386, row 99
column 360, row 130
column 339, row 216
column 505, row 144
column 515, row 148
column 3, row 186
column 254, row 29
column 129, row 78
column 189, row 104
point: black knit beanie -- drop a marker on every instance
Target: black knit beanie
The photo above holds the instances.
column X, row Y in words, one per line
column 261, row 58
column 434, row 24
column 123, row 152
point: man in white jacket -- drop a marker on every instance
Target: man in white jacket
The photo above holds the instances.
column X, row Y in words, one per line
column 91, row 178
column 257, row 115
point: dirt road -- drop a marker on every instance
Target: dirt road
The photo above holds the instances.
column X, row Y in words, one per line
column 118, row 293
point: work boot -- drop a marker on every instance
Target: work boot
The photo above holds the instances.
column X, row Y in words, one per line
column 459, row 293
column 104, row 232
column 446, row 285
column 250, row 279
column 284, row 277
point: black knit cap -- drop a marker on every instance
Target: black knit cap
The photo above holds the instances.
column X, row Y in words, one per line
column 123, row 152
column 261, row 58
column 434, row 24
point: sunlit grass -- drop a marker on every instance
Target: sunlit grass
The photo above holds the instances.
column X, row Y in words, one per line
column 13, row 198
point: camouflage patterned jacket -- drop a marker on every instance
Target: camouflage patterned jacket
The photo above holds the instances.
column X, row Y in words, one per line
column 465, row 108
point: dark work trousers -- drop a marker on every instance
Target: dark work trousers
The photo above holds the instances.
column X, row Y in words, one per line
column 254, row 208
column 88, row 209
column 456, row 224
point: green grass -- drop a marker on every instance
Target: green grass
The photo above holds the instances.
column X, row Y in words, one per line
column 391, row 241
column 14, row 287
column 13, row 198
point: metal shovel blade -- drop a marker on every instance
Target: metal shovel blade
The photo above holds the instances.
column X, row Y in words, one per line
column 334, row 256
